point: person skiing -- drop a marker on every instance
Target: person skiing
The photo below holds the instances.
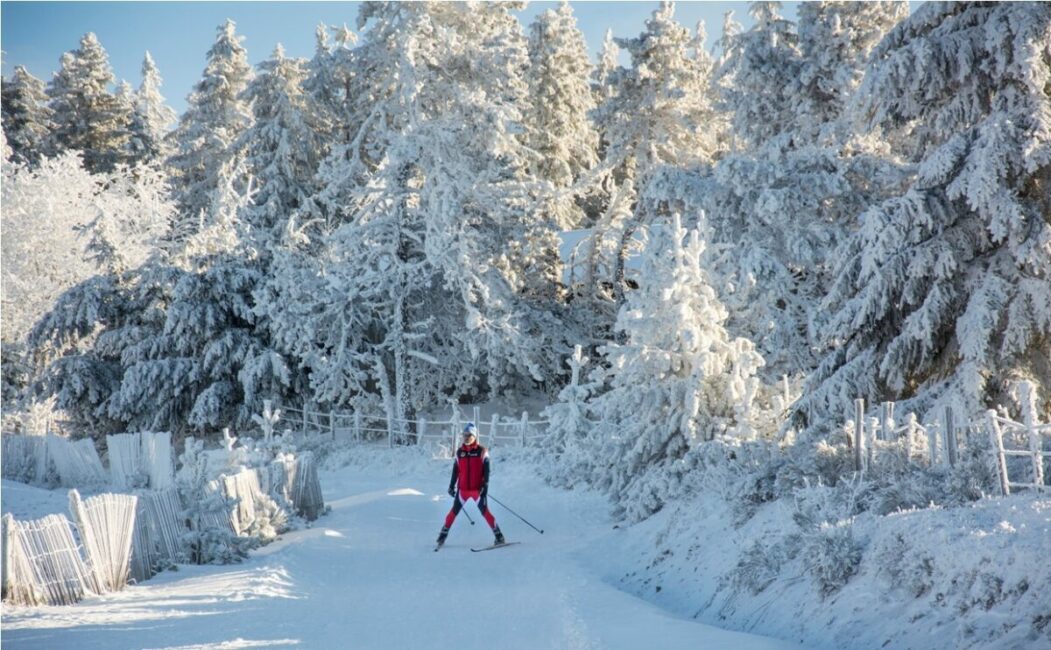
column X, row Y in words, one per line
column 470, row 480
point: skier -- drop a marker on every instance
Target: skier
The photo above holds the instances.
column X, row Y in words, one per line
column 471, row 475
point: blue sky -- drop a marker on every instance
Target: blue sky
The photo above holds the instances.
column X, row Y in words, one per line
column 178, row 34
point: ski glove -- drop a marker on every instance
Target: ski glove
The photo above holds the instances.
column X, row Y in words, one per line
column 452, row 491
column 485, row 491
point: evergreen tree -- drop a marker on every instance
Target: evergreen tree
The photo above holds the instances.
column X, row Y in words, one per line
column 759, row 75
column 152, row 119
column 559, row 126
column 280, row 147
column 87, row 116
column 835, row 42
column 678, row 379
column 26, row 117
column 661, row 112
column 780, row 202
column 942, row 296
column 215, row 116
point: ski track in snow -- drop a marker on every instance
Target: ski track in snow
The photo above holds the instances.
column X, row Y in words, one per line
column 365, row 576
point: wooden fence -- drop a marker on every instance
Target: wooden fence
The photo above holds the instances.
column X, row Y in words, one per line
column 359, row 427
column 940, row 442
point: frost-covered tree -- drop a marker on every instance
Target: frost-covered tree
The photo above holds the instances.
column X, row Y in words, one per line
column 759, row 75
column 835, row 42
column 215, row 116
column 780, row 202
column 280, row 148
column 679, row 377
column 152, row 118
column 943, row 295
column 662, row 110
column 87, row 116
column 43, row 256
column 330, row 87
column 26, row 116
column 559, row 127
column 433, row 237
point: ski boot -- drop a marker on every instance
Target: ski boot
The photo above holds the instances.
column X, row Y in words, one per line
column 499, row 539
column 442, row 535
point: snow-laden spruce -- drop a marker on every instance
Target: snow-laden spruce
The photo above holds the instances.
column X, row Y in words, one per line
column 677, row 379
column 559, row 128
column 943, row 294
column 661, row 112
column 779, row 202
column 152, row 118
column 26, row 116
column 88, row 117
column 280, row 147
column 215, row 116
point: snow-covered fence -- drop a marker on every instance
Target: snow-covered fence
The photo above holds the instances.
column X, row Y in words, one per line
column 295, row 480
column 1019, row 439
column 40, row 458
column 357, row 427
column 937, row 442
column 140, row 460
column 25, row 457
column 159, row 527
column 76, row 462
column 42, row 564
column 106, row 523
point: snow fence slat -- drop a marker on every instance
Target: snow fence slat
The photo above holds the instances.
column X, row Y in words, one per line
column 106, row 523
column 42, row 562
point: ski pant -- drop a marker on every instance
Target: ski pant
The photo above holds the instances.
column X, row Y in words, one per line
column 483, row 507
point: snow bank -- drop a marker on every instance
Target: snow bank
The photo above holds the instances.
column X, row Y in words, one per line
column 964, row 577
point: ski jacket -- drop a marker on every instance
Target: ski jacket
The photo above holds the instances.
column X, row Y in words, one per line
column 471, row 468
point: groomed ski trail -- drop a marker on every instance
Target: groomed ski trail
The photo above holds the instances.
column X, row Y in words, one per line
column 365, row 576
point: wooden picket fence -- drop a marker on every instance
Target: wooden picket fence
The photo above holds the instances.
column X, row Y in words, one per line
column 940, row 442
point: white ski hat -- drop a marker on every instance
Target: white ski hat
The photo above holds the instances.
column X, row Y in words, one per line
column 469, row 428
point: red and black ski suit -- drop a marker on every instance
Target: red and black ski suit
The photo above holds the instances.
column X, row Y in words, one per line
column 471, row 476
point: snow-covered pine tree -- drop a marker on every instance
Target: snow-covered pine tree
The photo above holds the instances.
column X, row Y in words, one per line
column 87, row 117
column 559, row 128
column 280, row 148
column 152, row 118
column 661, row 112
column 26, row 116
column 835, row 42
column 215, row 116
column 780, row 202
column 97, row 236
column 433, row 181
column 678, row 379
column 759, row 75
column 943, row 295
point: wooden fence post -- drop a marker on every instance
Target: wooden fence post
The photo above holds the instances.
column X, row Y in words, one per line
column 305, row 407
column 523, row 426
column 1028, row 396
column 932, row 446
column 996, row 437
column 455, row 422
column 332, row 422
column 859, row 434
column 910, row 434
column 870, row 444
column 421, row 430
column 886, row 416
column 357, row 426
column 950, row 437
column 494, row 426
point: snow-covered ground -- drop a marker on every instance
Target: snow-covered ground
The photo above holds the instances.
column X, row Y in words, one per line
column 365, row 576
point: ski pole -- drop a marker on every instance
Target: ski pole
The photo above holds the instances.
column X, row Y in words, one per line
column 463, row 508
column 516, row 514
